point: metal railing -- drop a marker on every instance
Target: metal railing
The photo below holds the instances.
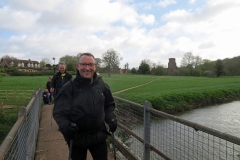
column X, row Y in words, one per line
column 146, row 133
column 20, row 143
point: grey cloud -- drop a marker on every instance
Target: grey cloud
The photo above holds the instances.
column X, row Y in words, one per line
column 206, row 45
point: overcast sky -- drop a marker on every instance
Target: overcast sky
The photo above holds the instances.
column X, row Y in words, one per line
column 137, row 29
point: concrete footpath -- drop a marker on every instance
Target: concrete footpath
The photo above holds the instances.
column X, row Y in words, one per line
column 51, row 144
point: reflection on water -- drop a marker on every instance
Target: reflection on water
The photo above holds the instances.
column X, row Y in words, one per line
column 224, row 117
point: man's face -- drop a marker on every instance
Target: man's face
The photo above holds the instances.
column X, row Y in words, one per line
column 86, row 66
column 61, row 68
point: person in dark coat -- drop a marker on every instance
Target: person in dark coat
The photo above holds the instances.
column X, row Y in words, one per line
column 84, row 108
column 59, row 79
column 45, row 96
column 48, row 85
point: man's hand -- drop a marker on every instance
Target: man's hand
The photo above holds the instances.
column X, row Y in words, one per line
column 71, row 130
column 113, row 125
column 52, row 90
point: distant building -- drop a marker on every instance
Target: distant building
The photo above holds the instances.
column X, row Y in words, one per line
column 172, row 66
column 121, row 71
column 22, row 65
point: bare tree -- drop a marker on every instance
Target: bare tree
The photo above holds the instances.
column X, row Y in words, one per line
column 197, row 61
column 46, row 60
column 111, row 60
column 187, row 60
column 126, row 67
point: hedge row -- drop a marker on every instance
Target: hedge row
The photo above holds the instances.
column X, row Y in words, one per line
column 42, row 73
column 175, row 102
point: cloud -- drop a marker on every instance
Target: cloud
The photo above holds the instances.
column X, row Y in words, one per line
column 192, row 1
column 42, row 29
column 165, row 3
column 206, row 45
column 17, row 20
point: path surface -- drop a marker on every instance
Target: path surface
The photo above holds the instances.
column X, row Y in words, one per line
column 51, row 144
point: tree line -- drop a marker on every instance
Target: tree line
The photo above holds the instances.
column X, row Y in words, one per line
column 190, row 65
column 193, row 66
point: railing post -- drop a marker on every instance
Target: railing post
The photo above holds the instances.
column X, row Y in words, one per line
column 146, row 136
column 22, row 135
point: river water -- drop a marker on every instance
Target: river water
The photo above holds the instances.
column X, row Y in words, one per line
column 182, row 143
column 224, row 117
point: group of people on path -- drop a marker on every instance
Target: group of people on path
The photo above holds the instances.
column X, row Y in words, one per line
column 83, row 108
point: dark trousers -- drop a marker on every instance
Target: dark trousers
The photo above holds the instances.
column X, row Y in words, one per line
column 50, row 97
column 98, row 152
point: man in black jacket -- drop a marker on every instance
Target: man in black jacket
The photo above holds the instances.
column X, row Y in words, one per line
column 83, row 106
column 59, row 79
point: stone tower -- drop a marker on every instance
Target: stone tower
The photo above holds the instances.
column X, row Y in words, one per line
column 171, row 66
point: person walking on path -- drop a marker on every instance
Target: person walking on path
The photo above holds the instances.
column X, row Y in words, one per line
column 48, row 85
column 59, row 79
column 83, row 108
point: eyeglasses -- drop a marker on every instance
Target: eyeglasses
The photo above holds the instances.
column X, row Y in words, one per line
column 85, row 64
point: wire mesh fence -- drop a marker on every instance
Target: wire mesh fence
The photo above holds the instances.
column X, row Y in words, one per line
column 20, row 143
column 150, row 134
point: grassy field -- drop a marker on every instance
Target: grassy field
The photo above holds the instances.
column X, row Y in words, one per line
column 160, row 85
column 167, row 91
column 172, row 84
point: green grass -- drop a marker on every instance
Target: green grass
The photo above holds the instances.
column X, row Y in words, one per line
column 117, row 82
column 172, row 84
column 120, row 82
column 23, row 82
column 7, row 120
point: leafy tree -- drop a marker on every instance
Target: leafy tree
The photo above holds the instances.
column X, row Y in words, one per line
column 42, row 63
column 232, row 66
column 144, row 68
column 70, row 61
column 207, row 65
column 111, row 59
column 219, row 67
column 160, row 70
column 48, row 65
column 150, row 63
column 133, row 71
column 183, row 71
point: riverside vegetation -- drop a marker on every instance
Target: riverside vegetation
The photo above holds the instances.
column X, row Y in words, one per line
column 166, row 93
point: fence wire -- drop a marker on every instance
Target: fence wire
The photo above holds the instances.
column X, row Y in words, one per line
column 170, row 137
column 20, row 143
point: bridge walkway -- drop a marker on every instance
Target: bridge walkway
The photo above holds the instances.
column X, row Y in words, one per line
column 51, row 144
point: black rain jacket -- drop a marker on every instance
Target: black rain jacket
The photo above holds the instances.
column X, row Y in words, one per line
column 86, row 104
column 58, row 81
